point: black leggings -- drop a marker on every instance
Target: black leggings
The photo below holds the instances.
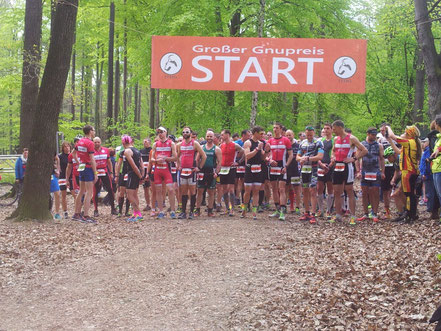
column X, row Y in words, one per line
column 103, row 181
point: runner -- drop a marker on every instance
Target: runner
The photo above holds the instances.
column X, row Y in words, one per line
column 324, row 173
column 230, row 151
column 371, row 173
column 188, row 170
column 20, row 166
column 104, row 168
column 310, row 152
column 343, row 176
column 164, row 152
column 88, row 175
column 386, row 188
column 145, row 155
column 72, row 172
column 134, row 175
column 254, row 153
column 240, row 171
column 209, row 172
column 409, row 157
column 121, row 170
column 63, row 180
column 55, row 188
column 279, row 146
column 294, row 176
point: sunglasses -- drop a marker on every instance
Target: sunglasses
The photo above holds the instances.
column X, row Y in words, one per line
column 159, row 131
column 185, row 132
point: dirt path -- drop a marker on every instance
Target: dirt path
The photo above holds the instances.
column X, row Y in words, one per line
column 223, row 273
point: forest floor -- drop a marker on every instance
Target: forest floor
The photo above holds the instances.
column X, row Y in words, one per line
column 218, row 273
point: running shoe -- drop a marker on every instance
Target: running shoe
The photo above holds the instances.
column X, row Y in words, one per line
column 179, row 210
column 305, row 217
column 321, row 214
column 182, row 216
column 190, row 216
column 173, row 215
column 281, row 216
column 147, row 208
column 260, row 209
column 153, row 213
column 363, row 218
column 197, row 212
column 66, row 215
column 131, row 219
column 210, row 214
column 230, row 212
column 275, row 214
column 77, row 217
column 96, row 213
column 328, row 217
column 312, row 219
column 57, row 216
column 113, row 212
column 297, row 211
column 161, row 215
column 243, row 211
column 88, row 220
column 375, row 219
column 387, row 215
column 352, row 220
column 139, row 218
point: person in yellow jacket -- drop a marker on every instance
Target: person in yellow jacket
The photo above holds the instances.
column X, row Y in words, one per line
column 410, row 155
column 436, row 159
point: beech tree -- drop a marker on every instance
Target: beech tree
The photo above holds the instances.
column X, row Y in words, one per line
column 35, row 198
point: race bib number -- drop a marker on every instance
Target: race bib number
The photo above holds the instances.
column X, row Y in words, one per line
column 320, row 172
column 370, row 176
column 295, row 180
column 101, row 172
column 240, row 170
column 200, row 176
column 275, row 171
column 153, row 169
column 126, row 177
column 307, row 169
column 339, row 167
column 224, row 171
column 387, row 163
column 146, row 165
column 256, row 168
column 81, row 167
column 62, row 182
column 186, row 172
column 173, row 170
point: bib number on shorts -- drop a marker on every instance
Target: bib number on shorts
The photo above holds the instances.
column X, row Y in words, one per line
column 240, row 170
column 256, row 168
column 200, row 176
column 81, row 167
column 101, row 172
column 275, row 171
column 126, row 177
column 320, row 172
column 224, row 170
column 62, row 182
column 146, row 165
column 370, row 176
column 307, row 169
column 186, row 172
column 339, row 167
column 295, row 180
column 173, row 170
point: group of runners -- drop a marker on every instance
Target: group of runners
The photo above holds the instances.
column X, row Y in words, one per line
column 312, row 175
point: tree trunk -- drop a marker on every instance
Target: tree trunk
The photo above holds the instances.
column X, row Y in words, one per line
column 136, row 111
column 31, row 68
column 430, row 56
column 72, row 83
column 295, row 109
column 82, row 93
column 110, row 70
column 34, row 201
column 420, row 80
column 99, row 78
column 152, row 109
column 125, row 68
column 255, row 95
column 117, row 92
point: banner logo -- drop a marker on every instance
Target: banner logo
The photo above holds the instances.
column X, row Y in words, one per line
column 171, row 63
column 345, row 67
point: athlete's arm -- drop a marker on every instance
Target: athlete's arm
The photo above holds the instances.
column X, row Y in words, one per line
column 381, row 161
column 240, row 152
column 394, row 147
column 218, row 153
column 57, row 166
column 93, row 164
column 290, row 157
column 118, row 167
column 362, row 151
column 391, row 134
column 201, row 153
column 68, row 170
column 174, row 156
column 248, row 153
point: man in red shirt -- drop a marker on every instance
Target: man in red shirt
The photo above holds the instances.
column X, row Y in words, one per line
column 84, row 151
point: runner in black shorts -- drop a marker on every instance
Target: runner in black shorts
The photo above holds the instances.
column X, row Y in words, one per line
column 294, row 176
column 255, row 153
column 145, row 155
column 324, row 173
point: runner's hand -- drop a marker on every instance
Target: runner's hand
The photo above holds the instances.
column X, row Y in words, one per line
column 348, row 160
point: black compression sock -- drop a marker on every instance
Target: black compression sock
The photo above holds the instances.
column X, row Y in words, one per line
column 184, row 203
column 192, row 202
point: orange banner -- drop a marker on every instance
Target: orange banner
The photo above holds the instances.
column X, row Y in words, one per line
column 259, row 64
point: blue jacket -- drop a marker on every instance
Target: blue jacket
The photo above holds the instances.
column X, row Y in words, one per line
column 20, row 167
column 425, row 166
